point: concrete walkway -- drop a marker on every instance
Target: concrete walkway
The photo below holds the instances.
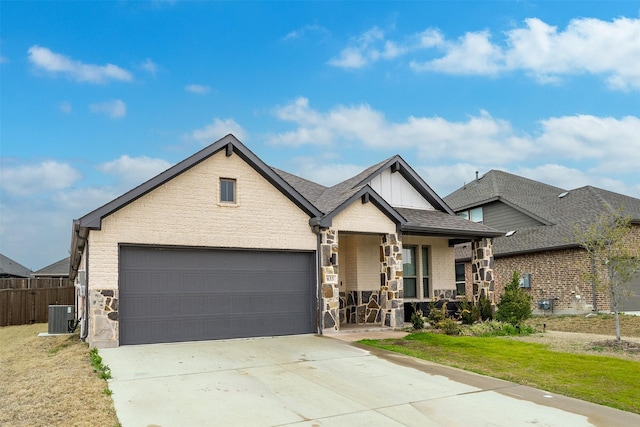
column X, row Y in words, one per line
column 308, row 380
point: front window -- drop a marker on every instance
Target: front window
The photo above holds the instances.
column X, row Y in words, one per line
column 416, row 271
column 227, row 190
column 409, row 271
column 460, row 279
column 425, row 272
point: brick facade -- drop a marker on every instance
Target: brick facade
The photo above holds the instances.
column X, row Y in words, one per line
column 556, row 275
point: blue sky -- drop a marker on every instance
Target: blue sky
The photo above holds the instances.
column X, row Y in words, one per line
column 97, row 97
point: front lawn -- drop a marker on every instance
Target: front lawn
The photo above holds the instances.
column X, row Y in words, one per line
column 49, row 381
column 604, row 380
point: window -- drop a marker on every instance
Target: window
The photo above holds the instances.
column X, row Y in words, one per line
column 409, row 271
column 474, row 215
column 227, row 190
column 460, row 279
column 425, row 272
column 415, row 271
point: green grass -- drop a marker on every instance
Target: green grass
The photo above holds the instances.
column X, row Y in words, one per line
column 599, row 379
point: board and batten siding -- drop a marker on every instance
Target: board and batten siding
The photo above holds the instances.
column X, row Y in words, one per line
column 503, row 217
column 397, row 191
column 186, row 211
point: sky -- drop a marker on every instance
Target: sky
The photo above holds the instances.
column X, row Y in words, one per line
column 97, row 97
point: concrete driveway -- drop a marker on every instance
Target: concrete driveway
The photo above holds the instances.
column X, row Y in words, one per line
column 308, row 380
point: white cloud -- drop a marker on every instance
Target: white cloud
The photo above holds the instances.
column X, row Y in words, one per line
column 614, row 143
column 132, row 171
column 115, row 108
column 303, row 31
column 472, row 54
column 608, row 49
column 25, row 180
column 149, row 66
column 65, row 107
column 216, row 130
column 199, row 89
column 55, row 63
column 430, row 136
column 321, row 171
column 598, row 146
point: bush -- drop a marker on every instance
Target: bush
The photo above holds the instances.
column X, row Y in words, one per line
column 486, row 310
column 496, row 329
column 515, row 305
column 417, row 318
column 436, row 315
column 449, row 326
column 469, row 312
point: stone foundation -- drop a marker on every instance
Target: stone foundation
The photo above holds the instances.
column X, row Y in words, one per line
column 360, row 308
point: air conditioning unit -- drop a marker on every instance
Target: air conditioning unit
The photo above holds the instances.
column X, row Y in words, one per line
column 61, row 318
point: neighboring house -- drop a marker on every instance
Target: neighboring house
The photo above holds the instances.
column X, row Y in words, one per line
column 223, row 246
column 56, row 274
column 12, row 269
column 539, row 223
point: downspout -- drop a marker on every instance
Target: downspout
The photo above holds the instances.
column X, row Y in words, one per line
column 85, row 334
column 315, row 227
column 594, row 292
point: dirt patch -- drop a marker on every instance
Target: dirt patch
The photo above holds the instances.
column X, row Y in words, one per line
column 48, row 381
column 590, row 334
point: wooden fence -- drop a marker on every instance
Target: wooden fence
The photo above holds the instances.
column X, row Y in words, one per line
column 24, row 306
column 35, row 283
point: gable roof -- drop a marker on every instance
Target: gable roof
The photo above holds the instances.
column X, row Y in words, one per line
column 560, row 215
column 57, row 269
column 11, row 268
column 321, row 203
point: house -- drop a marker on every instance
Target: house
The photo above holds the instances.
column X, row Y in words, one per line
column 223, row 246
column 56, row 274
column 539, row 242
column 12, row 269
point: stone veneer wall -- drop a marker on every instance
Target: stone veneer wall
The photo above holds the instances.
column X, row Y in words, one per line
column 330, row 288
column 391, row 286
column 385, row 307
column 482, row 268
column 360, row 307
column 104, row 325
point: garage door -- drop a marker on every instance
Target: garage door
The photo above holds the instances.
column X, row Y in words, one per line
column 632, row 302
column 170, row 295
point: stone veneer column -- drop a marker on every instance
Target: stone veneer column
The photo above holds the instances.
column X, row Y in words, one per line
column 482, row 267
column 330, row 288
column 104, row 323
column 391, row 287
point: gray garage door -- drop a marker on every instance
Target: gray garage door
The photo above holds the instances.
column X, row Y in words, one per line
column 170, row 295
column 632, row 302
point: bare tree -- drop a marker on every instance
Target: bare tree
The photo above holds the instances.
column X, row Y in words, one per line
column 609, row 245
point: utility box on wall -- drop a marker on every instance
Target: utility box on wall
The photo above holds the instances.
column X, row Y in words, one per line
column 61, row 318
column 525, row 280
column 544, row 304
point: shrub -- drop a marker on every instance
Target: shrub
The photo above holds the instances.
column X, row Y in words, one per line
column 496, row 329
column 449, row 326
column 417, row 318
column 486, row 310
column 469, row 312
column 436, row 315
column 515, row 305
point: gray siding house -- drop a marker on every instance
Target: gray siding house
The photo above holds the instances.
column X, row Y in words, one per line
column 538, row 222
